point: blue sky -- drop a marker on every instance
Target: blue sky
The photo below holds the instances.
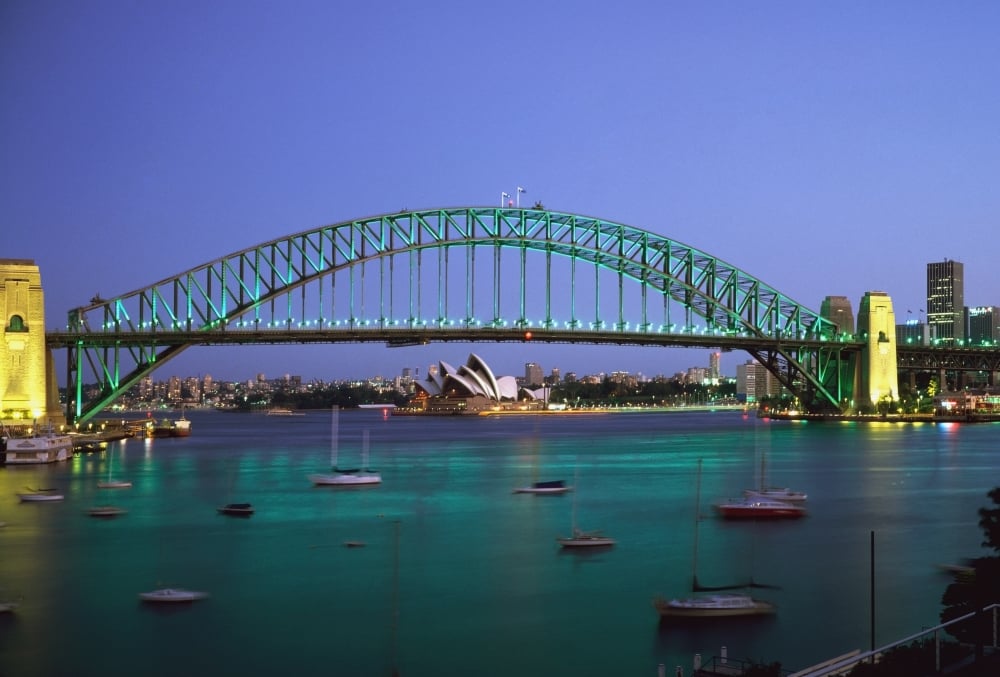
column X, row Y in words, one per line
column 825, row 148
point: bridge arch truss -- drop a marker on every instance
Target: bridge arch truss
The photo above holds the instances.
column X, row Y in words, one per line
column 469, row 273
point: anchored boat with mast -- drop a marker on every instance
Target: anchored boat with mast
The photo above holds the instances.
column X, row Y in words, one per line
column 718, row 603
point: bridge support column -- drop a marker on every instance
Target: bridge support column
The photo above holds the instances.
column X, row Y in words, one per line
column 877, row 325
column 28, row 390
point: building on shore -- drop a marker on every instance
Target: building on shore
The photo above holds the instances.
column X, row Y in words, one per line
column 469, row 389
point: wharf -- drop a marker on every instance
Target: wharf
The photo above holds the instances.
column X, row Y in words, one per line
column 84, row 442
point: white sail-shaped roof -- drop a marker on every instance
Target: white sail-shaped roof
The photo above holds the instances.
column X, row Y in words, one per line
column 507, row 388
column 479, row 365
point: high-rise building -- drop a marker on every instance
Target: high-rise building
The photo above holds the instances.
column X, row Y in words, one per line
column 984, row 325
column 837, row 309
column 946, row 300
column 533, row 374
column 714, row 364
column 754, row 381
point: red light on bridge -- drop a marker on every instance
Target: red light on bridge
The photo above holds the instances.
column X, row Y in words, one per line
column 527, row 336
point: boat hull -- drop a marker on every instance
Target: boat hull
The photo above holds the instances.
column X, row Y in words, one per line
column 714, row 606
column 40, row 498
column 171, row 596
column 114, row 484
column 236, row 509
column 37, row 450
column 344, row 480
column 759, row 508
column 106, row 511
column 585, row 542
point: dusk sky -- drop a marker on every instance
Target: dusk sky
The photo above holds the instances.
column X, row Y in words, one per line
column 825, row 148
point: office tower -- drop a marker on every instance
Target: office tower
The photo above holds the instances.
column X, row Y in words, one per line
column 837, row 309
column 984, row 325
column 946, row 300
column 754, row 381
column 533, row 374
column 714, row 362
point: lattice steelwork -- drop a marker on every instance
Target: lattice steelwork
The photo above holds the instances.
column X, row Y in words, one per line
column 425, row 275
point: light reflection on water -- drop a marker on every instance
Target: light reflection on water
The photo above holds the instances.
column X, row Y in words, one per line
column 482, row 586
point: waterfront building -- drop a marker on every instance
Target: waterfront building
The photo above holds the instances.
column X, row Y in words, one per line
column 946, row 300
column 837, row 309
column 468, row 389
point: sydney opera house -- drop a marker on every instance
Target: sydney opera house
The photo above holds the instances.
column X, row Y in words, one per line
column 470, row 389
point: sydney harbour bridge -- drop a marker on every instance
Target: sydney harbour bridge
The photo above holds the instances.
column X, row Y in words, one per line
column 471, row 274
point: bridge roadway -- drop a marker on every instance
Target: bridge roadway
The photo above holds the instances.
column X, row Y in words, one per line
column 909, row 357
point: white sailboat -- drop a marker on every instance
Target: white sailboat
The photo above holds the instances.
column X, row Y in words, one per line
column 712, row 605
column 763, row 491
column 339, row 476
column 580, row 538
column 112, row 483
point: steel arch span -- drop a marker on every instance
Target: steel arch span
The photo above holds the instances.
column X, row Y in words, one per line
column 460, row 274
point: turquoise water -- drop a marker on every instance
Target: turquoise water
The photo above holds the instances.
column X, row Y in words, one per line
column 460, row 576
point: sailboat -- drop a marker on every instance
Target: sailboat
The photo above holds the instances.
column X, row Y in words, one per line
column 583, row 539
column 715, row 605
column 763, row 491
column 112, row 483
column 341, row 477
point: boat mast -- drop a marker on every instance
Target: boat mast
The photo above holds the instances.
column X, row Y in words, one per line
column 333, row 436
column 697, row 519
column 576, row 490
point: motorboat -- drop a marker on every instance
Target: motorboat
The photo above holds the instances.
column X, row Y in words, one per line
column 759, row 508
column 776, row 493
column 546, row 487
column 713, row 606
column 236, row 509
column 282, row 411
column 585, row 539
column 172, row 595
column 40, row 496
column 106, row 511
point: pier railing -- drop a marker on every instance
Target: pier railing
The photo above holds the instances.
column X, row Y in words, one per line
column 931, row 636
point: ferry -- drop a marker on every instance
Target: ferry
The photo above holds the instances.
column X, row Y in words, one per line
column 47, row 448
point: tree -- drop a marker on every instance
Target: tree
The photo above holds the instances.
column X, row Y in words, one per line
column 971, row 592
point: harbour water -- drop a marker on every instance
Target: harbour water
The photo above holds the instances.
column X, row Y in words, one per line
column 458, row 575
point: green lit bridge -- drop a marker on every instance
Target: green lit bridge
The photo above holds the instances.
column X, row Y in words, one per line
column 463, row 274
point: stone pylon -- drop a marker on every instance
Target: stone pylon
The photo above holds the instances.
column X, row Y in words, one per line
column 28, row 390
column 877, row 326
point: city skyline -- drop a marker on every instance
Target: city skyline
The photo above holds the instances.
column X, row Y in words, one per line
column 826, row 150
